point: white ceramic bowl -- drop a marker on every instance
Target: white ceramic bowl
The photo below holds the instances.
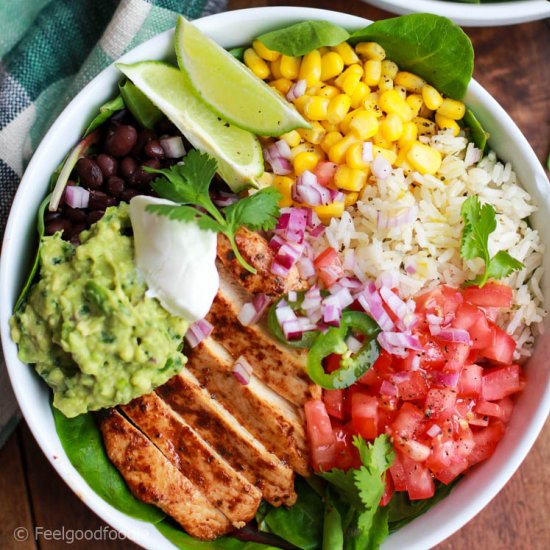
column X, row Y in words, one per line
column 472, row 15
column 232, row 29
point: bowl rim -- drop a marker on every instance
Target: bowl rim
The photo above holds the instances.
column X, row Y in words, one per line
column 141, row 532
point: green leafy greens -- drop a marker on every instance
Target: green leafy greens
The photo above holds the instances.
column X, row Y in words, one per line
column 188, row 184
column 479, row 223
column 478, row 134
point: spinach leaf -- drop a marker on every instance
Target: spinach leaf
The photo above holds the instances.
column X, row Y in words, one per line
column 428, row 45
column 357, row 539
column 82, row 441
column 477, row 133
column 238, row 53
column 333, row 532
column 106, row 111
column 304, row 37
column 140, row 105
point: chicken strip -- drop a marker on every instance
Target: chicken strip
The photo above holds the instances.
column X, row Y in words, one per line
column 152, row 478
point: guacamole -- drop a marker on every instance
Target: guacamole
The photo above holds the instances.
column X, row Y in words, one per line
column 89, row 327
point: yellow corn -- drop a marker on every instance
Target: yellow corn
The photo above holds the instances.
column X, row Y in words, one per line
column 392, row 102
column 276, row 68
column 338, row 108
column 451, row 108
column 350, row 78
column 306, row 148
column 371, row 50
column 425, row 112
column 330, row 139
column 304, row 161
column 385, row 84
column 364, row 125
column 354, row 156
column 392, row 127
column 315, row 89
column 290, row 67
column 423, row 158
column 332, row 65
column 349, row 57
column 344, row 125
column 284, row 184
column 425, row 126
column 328, row 91
column 264, row 52
column 372, row 72
column 316, row 108
column 301, row 102
column 314, row 135
column 432, row 98
column 372, row 104
column 292, row 138
column 389, row 68
column 381, row 141
column 329, row 127
column 338, row 151
column 388, row 154
column 408, row 135
column 328, row 211
column 350, row 198
column 310, row 68
column 445, row 123
column 401, row 91
column 409, row 81
column 415, row 102
column 281, row 84
column 256, row 64
column 359, row 94
column 350, row 179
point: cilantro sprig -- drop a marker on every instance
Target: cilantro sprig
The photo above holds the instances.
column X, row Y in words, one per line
column 479, row 223
column 188, row 186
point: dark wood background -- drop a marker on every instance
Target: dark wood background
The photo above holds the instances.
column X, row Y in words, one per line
column 513, row 63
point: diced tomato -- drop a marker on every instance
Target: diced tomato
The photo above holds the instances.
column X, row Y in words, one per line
column 320, row 435
column 332, row 362
column 474, row 320
column 370, row 378
column 469, row 382
column 491, row 295
column 364, row 415
column 388, row 490
column 325, row 171
column 502, row 350
column 486, row 441
column 419, row 480
column 456, row 356
column 444, row 462
column 346, row 453
column 506, row 407
column 408, row 421
column 413, row 387
column 440, row 402
column 502, row 409
column 501, row 382
column 441, row 301
column 397, row 473
column 432, row 356
column 464, row 442
column 328, row 266
column 334, row 403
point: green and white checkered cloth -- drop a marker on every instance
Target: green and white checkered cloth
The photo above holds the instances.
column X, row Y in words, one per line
column 49, row 49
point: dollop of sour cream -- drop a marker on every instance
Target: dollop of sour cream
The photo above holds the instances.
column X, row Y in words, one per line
column 176, row 259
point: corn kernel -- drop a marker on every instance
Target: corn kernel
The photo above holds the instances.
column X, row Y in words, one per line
column 381, row 141
column 388, row 154
column 310, row 68
column 349, row 57
column 364, row 125
column 425, row 112
column 408, row 135
column 389, row 68
column 344, row 125
column 290, row 67
column 338, row 151
column 306, row 148
column 328, row 211
column 314, row 135
column 432, row 98
column 284, row 184
column 371, row 50
column 415, row 102
column 316, row 108
column 354, row 156
column 292, row 138
column 392, row 102
column 359, row 94
column 304, row 161
column 426, row 127
column 264, row 52
column 276, row 68
column 372, row 72
column 281, row 84
column 330, row 139
column 385, row 84
column 332, row 65
column 315, row 89
column 423, row 158
column 409, row 81
column 338, row 108
column 328, row 91
column 372, row 104
column 350, row 78
column 350, row 179
column 301, row 102
column 451, row 108
column 329, row 127
column 392, row 127
column 447, row 123
column 350, row 198
column 256, row 64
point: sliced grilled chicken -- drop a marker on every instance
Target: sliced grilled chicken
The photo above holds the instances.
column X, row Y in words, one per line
column 255, row 250
column 264, row 413
column 153, row 479
column 283, row 369
column 224, row 487
column 225, row 433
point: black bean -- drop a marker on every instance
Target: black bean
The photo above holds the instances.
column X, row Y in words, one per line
column 144, row 137
column 76, row 215
column 141, row 178
column 90, row 173
column 154, row 149
column 120, row 140
column 107, row 164
column 76, row 230
column 95, row 215
column 100, row 200
column 115, row 186
column 127, row 167
column 60, row 224
column 50, row 216
column 128, row 194
column 165, row 126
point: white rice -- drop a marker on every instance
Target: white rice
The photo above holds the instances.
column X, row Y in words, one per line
column 429, row 246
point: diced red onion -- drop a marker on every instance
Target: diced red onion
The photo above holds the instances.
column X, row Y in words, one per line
column 292, row 296
column 338, row 196
column 331, row 314
column 349, row 259
column 313, row 219
column 308, row 190
column 77, row 197
column 434, row 319
column 312, row 299
column 398, row 351
column 281, row 149
column 350, row 282
column 415, row 363
column 401, row 339
column 173, row 147
column 280, row 166
column 372, row 303
column 389, row 279
column 367, row 152
column 292, row 224
column 400, row 377
column 294, row 329
column 433, row 431
column 242, row 370
column 353, row 344
column 410, row 269
column 317, row 231
column 405, row 316
column 449, row 379
column 223, row 199
column 315, row 314
column 284, row 313
column 252, row 312
column 455, row 335
column 380, row 167
column 197, row 332
column 298, row 89
column 341, row 297
column 305, row 267
column 286, row 257
column 276, row 242
column 387, row 388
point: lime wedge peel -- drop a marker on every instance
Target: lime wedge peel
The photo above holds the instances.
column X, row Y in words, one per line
column 238, row 152
column 231, row 89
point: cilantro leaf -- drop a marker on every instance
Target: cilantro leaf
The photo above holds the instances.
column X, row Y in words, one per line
column 185, row 214
column 502, row 264
column 258, row 211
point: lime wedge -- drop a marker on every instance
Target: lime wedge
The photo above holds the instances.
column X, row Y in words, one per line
column 230, row 88
column 238, row 152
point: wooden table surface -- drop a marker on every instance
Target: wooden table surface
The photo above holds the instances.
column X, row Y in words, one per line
column 513, row 64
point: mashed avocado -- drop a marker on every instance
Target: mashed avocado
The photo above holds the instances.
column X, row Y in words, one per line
column 94, row 335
